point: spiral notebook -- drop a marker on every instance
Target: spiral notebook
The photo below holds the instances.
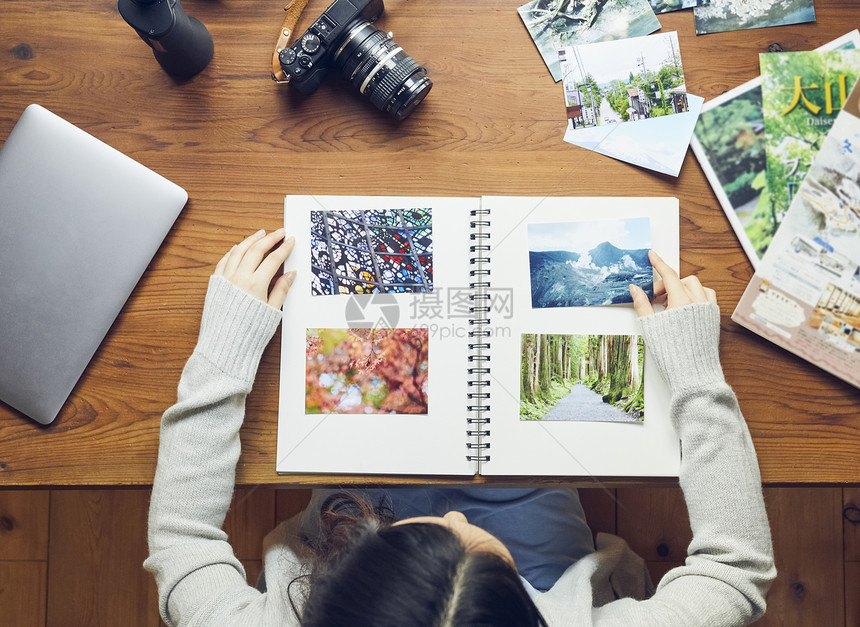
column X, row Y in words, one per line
column 463, row 336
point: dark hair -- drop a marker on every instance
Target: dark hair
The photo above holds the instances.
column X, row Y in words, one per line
column 369, row 572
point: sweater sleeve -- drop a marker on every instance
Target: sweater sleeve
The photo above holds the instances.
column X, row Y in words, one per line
column 193, row 564
column 729, row 566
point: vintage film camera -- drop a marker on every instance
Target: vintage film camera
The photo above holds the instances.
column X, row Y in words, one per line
column 344, row 37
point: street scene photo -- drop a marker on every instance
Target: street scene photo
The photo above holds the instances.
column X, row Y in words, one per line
column 623, row 81
column 575, row 264
column 582, row 377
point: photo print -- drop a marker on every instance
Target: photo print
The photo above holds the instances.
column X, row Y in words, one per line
column 380, row 251
column 717, row 16
column 597, row 378
column 665, row 6
column 623, row 81
column 556, row 24
column 366, row 371
column 837, row 318
column 575, row 264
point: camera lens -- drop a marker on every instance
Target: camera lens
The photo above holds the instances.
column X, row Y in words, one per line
column 379, row 69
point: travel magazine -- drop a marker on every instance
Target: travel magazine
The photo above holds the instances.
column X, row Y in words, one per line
column 805, row 295
column 729, row 142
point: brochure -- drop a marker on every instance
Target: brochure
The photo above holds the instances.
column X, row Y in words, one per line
column 729, row 143
column 805, row 296
column 802, row 92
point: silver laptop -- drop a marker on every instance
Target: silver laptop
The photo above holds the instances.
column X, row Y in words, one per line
column 79, row 223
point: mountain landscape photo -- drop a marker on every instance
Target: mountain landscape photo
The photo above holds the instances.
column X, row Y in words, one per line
column 599, row 276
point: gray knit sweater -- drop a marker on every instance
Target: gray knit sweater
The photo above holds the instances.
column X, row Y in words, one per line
column 729, row 566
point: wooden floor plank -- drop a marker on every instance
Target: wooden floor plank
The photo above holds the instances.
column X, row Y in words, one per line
column 24, row 524
column 599, row 507
column 852, row 594
column 655, row 523
column 250, row 518
column 290, row 502
column 22, row 593
column 98, row 542
column 806, row 524
column 96, row 550
column 851, row 525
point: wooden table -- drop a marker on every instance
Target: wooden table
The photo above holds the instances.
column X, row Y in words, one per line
column 238, row 143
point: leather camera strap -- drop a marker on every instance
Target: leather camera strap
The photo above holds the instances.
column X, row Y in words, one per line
column 293, row 10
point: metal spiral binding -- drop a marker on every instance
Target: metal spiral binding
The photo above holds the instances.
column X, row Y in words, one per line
column 478, row 394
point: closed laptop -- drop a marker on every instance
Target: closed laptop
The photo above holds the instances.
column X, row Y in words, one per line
column 79, row 223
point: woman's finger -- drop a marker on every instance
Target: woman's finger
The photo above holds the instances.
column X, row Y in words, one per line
column 641, row 304
column 239, row 252
column 273, row 262
column 711, row 294
column 279, row 290
column 669, row 276
column 694, row 289
column 257, row 252
column 219, row 267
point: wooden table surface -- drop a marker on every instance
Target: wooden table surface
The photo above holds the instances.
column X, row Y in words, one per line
column 239, row 143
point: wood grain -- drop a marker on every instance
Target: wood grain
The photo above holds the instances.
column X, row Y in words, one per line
column 24, row 525
column 807, row 543
column 851, row 524
column 655, row 523
column 238, row 143
column 852, row 598
column 600, row 509
column 96, row 553
column 23, row 589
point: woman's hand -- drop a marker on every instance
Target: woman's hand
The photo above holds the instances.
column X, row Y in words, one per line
column 252, row 264
column 671, row 290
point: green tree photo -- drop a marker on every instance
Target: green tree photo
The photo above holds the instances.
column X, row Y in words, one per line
column 552, row 365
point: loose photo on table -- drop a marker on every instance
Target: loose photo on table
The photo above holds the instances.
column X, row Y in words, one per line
column 623, row 81
column 665, row 6
column 384, row 251
column 582, row 377
column 586, row 263
column 366, row 371
column 555, row 24
column 717, row 16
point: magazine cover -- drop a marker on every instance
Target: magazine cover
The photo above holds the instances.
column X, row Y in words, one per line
column 556, row 24
column 729, row 143
column 802, row 92
column 805, row 296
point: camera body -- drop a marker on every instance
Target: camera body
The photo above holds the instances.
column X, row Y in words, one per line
column 308, row 60
column 344, row 37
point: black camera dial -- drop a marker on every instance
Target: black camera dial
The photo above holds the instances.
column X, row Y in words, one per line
column 310, row 43
column 287, row 56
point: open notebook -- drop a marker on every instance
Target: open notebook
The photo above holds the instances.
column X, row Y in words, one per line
column 461, row 336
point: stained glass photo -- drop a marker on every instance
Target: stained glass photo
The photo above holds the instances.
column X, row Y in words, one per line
column 376, row 251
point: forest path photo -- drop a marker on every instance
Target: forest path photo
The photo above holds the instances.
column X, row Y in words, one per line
column 585, row 404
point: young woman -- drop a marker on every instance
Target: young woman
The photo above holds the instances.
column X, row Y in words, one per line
column 415, row 557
